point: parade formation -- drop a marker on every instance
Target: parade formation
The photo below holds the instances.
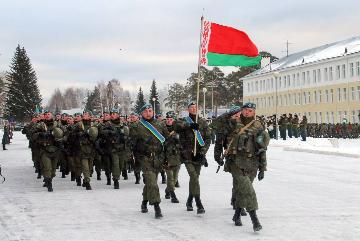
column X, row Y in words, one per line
column 84, row 145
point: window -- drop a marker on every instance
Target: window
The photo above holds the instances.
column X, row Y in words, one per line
column 315, row 97
column 308, row 77
column 303, row 78
column 353, row 96
column 339, row 116
column 316, row 117
column 344, row 94
column 309, row 98
column 256, row 86
column 337, row 72
column 290, row 102
column 314, row 76
column 248, row 87
column 327, row 96
column 280, row 83
column 320, row 117
column 332, row 117
column 338, row 95
column 343, row 71
column 326, row 74
column 299, row 98
column 288, row 80
column 351, row 69
column 358, row 92
column 319, row 96
column 298, row 79
column 304, row 100
column 319, row 75
column 331, row 77
column 272, row 84
column 331, row 96
column 327, row 120
column 353, row 120
column 252, row 86
column 358, row 68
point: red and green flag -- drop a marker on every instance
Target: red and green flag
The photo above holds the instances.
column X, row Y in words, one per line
column 226, row 46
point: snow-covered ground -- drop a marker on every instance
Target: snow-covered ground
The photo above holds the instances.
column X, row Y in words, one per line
column 304, row 196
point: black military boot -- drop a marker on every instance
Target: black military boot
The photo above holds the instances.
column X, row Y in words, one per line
column 63, row 174
column 177, row 184
column 233, row 202
column 72, row 176
column 78, row 181
column 200, row 207
column 173, row 197
column 45, row 182
column 137, row 177
column 144, row 208
column 243, row 212
column 255, row 221
column 124, row 174
column 163, row 177
column 98, row 176
column 237, row 217
column 116, row 184
column 157, row 211
column 38, row 175
column 87, row 185
column 49, row 185
column 167, row 194
column 189, row 201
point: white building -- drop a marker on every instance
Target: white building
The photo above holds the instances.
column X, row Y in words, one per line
column 322, row 83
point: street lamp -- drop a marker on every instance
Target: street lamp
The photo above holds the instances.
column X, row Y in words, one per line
column 276, row 75
column 204, row 90
column 153, row 99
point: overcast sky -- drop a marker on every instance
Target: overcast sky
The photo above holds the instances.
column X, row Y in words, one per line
column 77, row 43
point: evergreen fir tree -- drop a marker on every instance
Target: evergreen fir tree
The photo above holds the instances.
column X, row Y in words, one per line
column 93, row 102
column 140, row 102
column 154, row 94
column 23, row 93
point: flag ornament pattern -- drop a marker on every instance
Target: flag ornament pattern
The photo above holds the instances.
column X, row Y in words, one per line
column 226, row 46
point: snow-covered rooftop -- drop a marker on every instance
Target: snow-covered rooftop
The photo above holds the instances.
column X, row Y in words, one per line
column 327, row 51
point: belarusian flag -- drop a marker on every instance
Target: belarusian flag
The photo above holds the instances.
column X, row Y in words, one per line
column 226, row 46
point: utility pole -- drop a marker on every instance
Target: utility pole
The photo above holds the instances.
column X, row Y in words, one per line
column 287, row 48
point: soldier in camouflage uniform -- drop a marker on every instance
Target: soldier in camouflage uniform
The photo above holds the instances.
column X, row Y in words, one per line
column 245, row 154
column 49, row 138
column 187, row 128
column 283, row 123
column 290, row 126
column 132, row 122
column 303, row 128
column 173, row 158
column 295, row 126
column 148, row 139
column 85, row 137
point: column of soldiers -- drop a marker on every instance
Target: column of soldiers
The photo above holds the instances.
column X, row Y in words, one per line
column 290, row 126
column 81, row 145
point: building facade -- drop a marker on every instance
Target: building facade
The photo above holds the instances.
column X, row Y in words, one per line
column 322, row 83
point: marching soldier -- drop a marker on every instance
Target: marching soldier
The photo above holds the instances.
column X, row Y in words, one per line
column 245, row 155
column 193, row 157
column 148, row 138
column 173, row 158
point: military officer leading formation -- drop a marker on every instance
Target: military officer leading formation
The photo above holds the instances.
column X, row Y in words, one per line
column 81, row 146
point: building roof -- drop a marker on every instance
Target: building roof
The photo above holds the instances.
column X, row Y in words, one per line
column 327, row 51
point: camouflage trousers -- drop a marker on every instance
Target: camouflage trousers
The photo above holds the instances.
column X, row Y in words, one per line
column 118, row 161
column 49, row 162
column 172, row 176
column 194, row 173
column 97, row 163
column 151, row 189
column 83, row 165
column 243, row 189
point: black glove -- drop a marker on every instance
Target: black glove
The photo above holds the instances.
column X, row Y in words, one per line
column 261, row 175
column 194, row 126
column 206, row 164
column 220, row 162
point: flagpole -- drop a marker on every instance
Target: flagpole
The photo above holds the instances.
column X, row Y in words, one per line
column 198, row 82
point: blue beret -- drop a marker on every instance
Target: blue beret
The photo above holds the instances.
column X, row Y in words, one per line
column 146, row 106
column 249, row 105
column 191, row 103
column 235, row 108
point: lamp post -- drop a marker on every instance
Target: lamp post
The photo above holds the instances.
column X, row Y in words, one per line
column 153, row 99
column 276, row 75
column 204, row 90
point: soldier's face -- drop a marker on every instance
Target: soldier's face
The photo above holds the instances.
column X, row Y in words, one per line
column 148, row 114
column 169, row 121
column 114, row 116
column 48, row 116
column 192, row 109
column 70, row 120
column 107, row 117
column 58, row 117
column 64, row 118
column 248, row 112
column 34, row 120
column 78, row 118
column 86, row 116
